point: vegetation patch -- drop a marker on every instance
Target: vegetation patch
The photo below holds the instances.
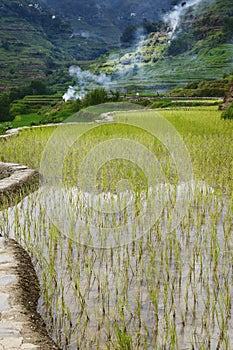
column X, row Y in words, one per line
column 141, row 297
column 215, row 88
column 228, row 113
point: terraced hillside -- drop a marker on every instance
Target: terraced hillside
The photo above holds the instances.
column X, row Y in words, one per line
column 104, row 20
column 19, row 57
column 200, row 48
column 34, row 43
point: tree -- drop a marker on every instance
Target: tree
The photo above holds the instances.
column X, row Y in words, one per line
column 128, row 35
column 38, row 87
column 152, row 27
column 5, row 45
column 180, row 44
column 228, row 28
column 5, row 108
column 115, row 96
column 95, row 97
column 228, row 113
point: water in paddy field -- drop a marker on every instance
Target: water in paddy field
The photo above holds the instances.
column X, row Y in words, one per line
column 156, row 290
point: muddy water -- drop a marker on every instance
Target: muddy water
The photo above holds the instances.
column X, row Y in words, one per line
column 160, row 288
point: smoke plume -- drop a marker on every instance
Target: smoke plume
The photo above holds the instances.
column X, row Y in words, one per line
column 173, row 17
column 86, row 81
column 129, row 64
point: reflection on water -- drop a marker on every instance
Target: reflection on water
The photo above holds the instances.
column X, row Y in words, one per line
column 160, row 288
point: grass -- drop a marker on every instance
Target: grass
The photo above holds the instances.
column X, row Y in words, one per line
column 112, row 107
column 59, row 112
column 26, row 120
column 108, row 107
column 166, row 289
column 200, row 128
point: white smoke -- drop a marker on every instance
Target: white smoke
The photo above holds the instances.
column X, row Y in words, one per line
column 70, row 94
column 86, row 81
column 128, row 64
column 173, row 17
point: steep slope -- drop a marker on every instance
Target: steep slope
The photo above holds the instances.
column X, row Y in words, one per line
column 204, row 27
column 229, row 97
column 105, row 20
column 34, row 43
column 196, row 46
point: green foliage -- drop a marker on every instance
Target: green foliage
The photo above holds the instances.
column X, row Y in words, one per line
column 228, row 28
column 33, row 45
column 77, row 111
column 19, row 104
column 4, row 108
column 215, row 88
column 202, row 49
column 35, row 87
column 124, row 340
column 136, row 278
column 97, row 110
column 228, row 112
column 95, row 97
column 105, row 20
column 207, row 26
column 52, row 118
column 144, row 102
column 19, row 108
column 161, row 103
column 192, row 85
column 152, row 27
column 4, row 127
column 180, row 44
column 26, row 120
column 115, row 96
column 129, row 35
column 38, row 87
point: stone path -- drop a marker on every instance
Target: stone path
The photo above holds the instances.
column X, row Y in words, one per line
column 20, row 325
column 17, row 175
column 15, row 180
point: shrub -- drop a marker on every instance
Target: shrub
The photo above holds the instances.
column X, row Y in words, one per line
column 95, row 97
column 5, row 108
column 51, row 119
column 4, row 127
column 161, row 103
column 228, row 112
column 19, row 108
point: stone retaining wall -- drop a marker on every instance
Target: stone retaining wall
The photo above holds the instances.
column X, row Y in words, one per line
column 21, row 327
column 15, row 180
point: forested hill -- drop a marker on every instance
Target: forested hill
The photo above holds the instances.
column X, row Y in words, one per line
column 198, row 45
column 209, row 26
column 41, row 39
column 106, row 19
column 36, row 43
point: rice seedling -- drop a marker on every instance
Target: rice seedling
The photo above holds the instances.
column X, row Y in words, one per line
column 164, row 289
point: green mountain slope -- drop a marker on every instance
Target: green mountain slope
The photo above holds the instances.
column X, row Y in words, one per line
column 200, row 48
column 34, row 43
column 104, row 20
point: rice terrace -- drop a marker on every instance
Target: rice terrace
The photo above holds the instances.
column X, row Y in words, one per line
column 116, row 181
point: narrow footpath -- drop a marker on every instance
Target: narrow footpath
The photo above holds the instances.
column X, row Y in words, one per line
column 21, row 327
